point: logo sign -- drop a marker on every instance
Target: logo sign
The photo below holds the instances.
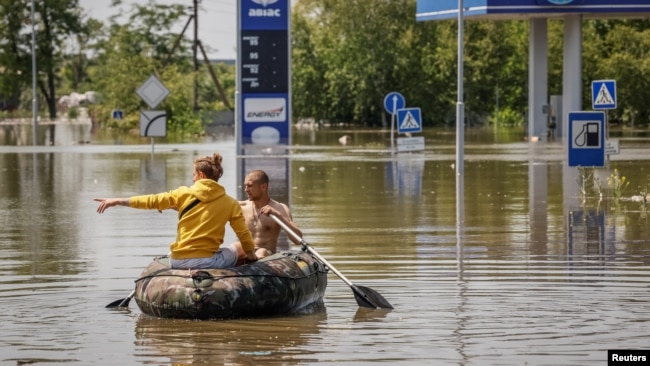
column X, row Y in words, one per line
column 153, row 91
column 587, row 139
column 603, row 94
column 264, row 14
column 394, row 101
column 265, row 109
column 409, row 120
column 265, row 120
column 153, row 124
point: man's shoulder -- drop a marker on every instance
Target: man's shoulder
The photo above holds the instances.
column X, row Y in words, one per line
column 279, row 205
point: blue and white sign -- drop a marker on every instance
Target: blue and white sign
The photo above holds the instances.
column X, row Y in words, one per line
column 394, row 101
column 117, row 114
column 603, row 94
column 409, row 120
column 264, row 77
column 587, row 139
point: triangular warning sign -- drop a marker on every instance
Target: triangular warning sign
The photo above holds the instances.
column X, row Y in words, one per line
column 604, row 97
column 409, row 122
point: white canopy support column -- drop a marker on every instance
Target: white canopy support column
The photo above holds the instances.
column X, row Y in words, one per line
column 571, row 95
column 537, row 78
column 572, row 65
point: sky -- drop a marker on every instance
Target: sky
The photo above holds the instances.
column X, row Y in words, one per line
column 217, row 21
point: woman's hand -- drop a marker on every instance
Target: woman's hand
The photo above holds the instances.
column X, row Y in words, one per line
column 105, row 203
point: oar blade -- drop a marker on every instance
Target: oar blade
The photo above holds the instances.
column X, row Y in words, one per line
column 119, row 303
column 370, row 298
column 122, row 303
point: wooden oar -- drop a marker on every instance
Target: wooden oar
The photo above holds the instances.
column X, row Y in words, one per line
column 365, row 296
column 122, row 303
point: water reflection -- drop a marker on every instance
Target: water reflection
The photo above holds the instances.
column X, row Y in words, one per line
column 233, row 342
column 404, row 175
column 48, row 134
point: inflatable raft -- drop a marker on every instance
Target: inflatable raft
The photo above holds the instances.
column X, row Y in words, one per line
column 285, row 282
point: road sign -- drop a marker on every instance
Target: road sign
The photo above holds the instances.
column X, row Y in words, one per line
column 153, row 91
column 612, row 147
column 409, row 120
column 117, row 114
column 394, row 101
column 410, row 143
column 587, row 139
column 603, row 94
column 153, row 124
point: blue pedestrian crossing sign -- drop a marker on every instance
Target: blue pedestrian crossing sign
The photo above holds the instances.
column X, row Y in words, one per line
column 409, row 120
column 603, row 94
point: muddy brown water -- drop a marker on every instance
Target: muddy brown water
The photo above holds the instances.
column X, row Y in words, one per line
column 532, row 276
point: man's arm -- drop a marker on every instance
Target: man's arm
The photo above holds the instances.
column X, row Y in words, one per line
column 284, row 214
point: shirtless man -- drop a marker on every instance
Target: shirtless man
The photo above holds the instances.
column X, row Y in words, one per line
column 256, row 210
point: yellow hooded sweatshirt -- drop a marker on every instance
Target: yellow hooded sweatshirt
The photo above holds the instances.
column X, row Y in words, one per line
column 202, row 228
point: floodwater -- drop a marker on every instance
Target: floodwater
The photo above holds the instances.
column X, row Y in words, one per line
column 532, row 275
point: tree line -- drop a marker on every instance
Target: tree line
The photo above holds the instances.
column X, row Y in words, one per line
column 346, row 56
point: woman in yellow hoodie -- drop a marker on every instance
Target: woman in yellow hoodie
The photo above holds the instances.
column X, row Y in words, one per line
column 203, row 211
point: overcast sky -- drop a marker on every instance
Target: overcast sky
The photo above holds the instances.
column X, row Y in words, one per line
column 217, row 21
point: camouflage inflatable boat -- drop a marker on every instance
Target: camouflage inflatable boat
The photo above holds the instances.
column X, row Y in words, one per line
column 282, row 283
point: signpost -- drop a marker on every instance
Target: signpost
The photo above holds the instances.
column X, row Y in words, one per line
column 153, row 123
column 409, row 120
column 410, row 143
column 603, row 94
column 392, row 102
column 586, row 139
column 153, row 92
column 603, row 97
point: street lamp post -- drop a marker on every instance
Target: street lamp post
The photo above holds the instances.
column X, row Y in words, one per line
column 34, row 96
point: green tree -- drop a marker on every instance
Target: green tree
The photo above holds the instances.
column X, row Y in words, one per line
column 350, row 52
column 348, row 55
column 129, row 53
column 619, row 50
column 14, row 56
column 56, row 21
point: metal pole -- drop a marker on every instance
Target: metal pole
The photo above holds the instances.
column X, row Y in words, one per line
column 460, row 107
column 460, row 127
column 194, row 50
column 34, row 95
column 392, row 125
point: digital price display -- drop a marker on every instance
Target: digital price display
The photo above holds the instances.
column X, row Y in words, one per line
column 264, row 64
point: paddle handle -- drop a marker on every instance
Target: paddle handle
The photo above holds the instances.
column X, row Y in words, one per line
column 365, row 296
column 311, row 250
